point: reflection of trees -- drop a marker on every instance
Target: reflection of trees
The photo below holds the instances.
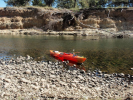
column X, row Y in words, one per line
column 37, row 54
column 33, row 52
column 119, row 61
column 25, row 46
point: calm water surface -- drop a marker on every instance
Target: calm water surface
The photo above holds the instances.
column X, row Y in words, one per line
column 109, row 55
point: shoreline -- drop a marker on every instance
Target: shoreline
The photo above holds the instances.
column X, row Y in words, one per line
column 24, row 78
column 82, row 32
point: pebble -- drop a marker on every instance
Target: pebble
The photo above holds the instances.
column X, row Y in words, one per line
column 42, row 80
column 25, row 80
column 2, row 76
column 6, row 85
column 35, row 87
column 121, row 75
column 28, row 71
column 7, row 80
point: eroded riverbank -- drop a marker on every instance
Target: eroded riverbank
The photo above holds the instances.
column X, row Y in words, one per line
column 24, row 78
column 104, row 33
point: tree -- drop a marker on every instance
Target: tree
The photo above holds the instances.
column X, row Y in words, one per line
column 17, row 2
column 49, row 2
column 64, row 4
column 102, row 3
column 84, row 3
column 75, row 3
column 37, row 3
column 92, row 3
column 116, row 3
column 130, row 3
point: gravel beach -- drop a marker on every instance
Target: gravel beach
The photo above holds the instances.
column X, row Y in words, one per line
column 26, row 79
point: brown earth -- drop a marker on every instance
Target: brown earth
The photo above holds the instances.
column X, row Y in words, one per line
column 64, row 19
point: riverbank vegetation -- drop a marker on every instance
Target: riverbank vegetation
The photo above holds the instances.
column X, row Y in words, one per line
column 69, row 4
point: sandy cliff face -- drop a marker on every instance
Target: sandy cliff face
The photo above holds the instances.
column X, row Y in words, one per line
column 21, row 18
column 119, row 19
column 55, row 19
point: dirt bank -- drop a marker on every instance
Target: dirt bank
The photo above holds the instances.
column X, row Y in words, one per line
column 111, row 20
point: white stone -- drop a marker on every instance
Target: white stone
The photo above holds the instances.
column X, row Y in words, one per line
column 28, row 57
column 36, row 84
column 52, row 76
column 74, row 85
column 43, row 80
column 28, row 71
column 80, row 77
column 2, row 76
column 34, row 87
column 7, row 80
column 2, row 95
column 47, row 86
column 6, row 85
column 25, row 80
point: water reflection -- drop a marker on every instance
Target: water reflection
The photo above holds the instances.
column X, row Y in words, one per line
column 110, row 55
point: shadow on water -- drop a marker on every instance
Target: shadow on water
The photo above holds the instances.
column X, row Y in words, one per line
column 111, row 61
column 108, row 55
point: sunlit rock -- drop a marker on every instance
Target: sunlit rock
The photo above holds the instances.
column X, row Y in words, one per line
column 28, row 71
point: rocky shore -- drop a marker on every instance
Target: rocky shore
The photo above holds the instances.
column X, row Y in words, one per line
column 26, row 79
column 83, row 32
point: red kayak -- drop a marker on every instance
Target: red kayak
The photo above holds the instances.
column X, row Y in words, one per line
column 71, row 57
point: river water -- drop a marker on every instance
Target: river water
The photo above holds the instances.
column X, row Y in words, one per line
column 111, row 55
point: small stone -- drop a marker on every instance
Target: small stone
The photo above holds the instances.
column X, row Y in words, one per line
column 28, row 57
column 36, row 84
column 25, row 80
column 6, row 85
column 53, row 76
column 82, row 71
column 105, row 75
column 7, row 80
column 122, row 74
column 35, row 87
column 74, row 85
column 14, row 89
column 2, row 76
column 131, row 68
column 80, row 77
column 47, row 86
column 28, row 71
column 7, row 94
column 2, row 95
column 43, row 80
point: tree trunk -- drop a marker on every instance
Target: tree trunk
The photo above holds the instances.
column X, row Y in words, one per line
column 75, row 3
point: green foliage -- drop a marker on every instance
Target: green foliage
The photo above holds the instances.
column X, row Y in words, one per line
column 116, row 3
column 66, row 3
column 48, row 2
column 26, row 2
column 84, row 3
column 72, row 3
column 102, row 2
column 17, row 2
column 37, row 3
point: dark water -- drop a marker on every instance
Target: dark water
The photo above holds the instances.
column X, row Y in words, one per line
column 109, row 55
